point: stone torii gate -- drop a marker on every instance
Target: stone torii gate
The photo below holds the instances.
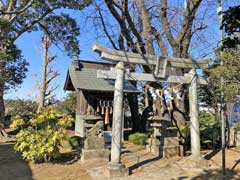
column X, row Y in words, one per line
column 119, row 73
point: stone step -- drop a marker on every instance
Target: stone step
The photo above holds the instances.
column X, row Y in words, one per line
column 171, row 141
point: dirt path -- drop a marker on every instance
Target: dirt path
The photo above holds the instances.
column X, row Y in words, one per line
column 142, row 165
column 145, row 166
column 12, row 167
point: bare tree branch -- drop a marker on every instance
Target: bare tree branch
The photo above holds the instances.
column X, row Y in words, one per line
column 54, row 75
column 160, row 41
column 122, row 24
column 50, row 91
column 147, row 32
column 165, row 22
column 38, row 86
column 189, row 16
column 132, row 27
column 51, row 58
column 16, row 11
column 105, row 29
column 11, row 5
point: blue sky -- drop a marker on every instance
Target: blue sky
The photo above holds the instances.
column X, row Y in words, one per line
column 30, row 44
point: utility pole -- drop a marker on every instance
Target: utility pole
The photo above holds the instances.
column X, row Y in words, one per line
column 223, row 135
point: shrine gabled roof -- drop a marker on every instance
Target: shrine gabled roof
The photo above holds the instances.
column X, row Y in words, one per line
column 82, row 75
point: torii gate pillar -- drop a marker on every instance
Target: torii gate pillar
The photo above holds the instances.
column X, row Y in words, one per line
column 194, row 121
column 116, row 168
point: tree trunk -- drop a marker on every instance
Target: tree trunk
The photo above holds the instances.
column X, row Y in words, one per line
column 2, row 106
column 45, row 43
column 147, row 30
column 137, row 125
column 3, row 133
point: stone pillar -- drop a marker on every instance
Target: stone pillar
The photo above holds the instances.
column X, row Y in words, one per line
column 115, row 168
column 194, row 122
column 123, row 117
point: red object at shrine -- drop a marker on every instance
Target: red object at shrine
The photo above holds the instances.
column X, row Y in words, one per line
column 107, row 116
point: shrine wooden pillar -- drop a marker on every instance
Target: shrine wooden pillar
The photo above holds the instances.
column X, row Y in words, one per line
column 194, row 121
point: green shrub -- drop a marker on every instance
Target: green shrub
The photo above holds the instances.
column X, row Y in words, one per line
column 209, row 130
column 138, row 138
column 41, row 140
column 16, row 123
column 74, row 142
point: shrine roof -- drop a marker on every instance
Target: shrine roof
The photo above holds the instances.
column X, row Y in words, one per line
column 82, row 75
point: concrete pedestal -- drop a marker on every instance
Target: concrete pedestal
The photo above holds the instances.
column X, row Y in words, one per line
column 197, row 162
column 172, row 151
column 93, row 143
column 153, row 146
column 94, row 154
column 116, row 171
column 94, row 149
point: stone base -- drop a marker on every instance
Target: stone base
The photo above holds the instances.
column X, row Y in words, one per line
column 116, row 171
column 197, row 162
column 94, row 143
column 171, row 141
column 153, row 145
column 152, row 149
column 94, row 154
column 172, row 151
column 153, row 141
column 165, row 151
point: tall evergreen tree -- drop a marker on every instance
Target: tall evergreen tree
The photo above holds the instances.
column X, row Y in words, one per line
column 20, row 16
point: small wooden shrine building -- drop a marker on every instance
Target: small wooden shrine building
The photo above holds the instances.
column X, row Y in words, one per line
column 94, row 95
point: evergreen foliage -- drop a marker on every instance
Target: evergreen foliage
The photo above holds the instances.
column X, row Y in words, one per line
column 230, row 73
column 209, row 130
column 20, row 108
column 68, row 105
column 231, row 25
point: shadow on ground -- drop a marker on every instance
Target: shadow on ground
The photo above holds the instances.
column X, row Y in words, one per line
column 12, row 166
column 212, row 154
column 142, row 163
column 216, row 174
column 67, row 158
